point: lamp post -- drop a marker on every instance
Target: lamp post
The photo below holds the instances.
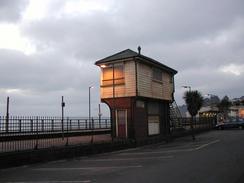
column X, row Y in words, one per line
column 89, row 114
column 62, row 120
column 187, row 87
column 7, row 116
column 91, row 126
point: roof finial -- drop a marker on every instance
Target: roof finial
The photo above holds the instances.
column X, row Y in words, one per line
column 139, row 50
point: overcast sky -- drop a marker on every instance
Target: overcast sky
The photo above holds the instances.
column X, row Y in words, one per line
column 48, row 48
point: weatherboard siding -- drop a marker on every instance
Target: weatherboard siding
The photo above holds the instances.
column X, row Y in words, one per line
column 144, row 80
column 147, row 87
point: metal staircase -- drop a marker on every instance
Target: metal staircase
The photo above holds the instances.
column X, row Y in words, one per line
column 175, row 116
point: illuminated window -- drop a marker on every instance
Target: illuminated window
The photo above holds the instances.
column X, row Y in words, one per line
column 157, row 74
column 241, row 114
column 153, row 118
column 116, row 73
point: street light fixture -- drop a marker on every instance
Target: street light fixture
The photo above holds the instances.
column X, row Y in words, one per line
column 103, row 66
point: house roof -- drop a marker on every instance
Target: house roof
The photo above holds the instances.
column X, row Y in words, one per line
column 132, row 54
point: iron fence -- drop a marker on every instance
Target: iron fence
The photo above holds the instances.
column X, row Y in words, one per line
column 19, row 133
column 199, row 123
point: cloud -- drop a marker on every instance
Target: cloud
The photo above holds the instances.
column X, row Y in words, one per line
column 198, row 38
column 38, row 82
column 11, row 11
column 236, row 70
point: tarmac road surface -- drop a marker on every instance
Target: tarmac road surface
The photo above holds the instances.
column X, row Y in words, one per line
column 214, row 157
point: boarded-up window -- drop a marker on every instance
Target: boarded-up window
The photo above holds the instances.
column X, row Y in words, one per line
column 153, row 118
column 157, row 74
column 115, row 73
column 153, row 108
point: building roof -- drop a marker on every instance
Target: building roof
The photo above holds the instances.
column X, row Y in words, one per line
column 132, row 54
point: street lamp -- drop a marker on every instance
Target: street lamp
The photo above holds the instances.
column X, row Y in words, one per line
column 187, row 87
column 62, row 120
column 91, row 126
column 89, row 114
column 103, row 66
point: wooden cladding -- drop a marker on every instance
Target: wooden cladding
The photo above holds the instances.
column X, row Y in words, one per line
column 119, row 80
column 154, row 82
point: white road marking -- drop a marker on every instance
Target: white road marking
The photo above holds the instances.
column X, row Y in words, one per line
column 128, row 159
column 159, row 152
column 205, row 145
column 171, row 151
column 87, row 168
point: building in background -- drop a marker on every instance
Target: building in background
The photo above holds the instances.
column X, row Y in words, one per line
column 138, row 91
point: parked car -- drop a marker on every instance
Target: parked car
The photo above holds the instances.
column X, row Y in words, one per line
column 230, row 124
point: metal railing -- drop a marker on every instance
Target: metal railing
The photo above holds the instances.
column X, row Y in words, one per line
column 199, row 123
column 33, row 132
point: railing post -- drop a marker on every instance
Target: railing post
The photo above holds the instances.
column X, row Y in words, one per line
column 86, row 123
column 106, row 123
column 36, row 146
column 42, row 123
column 70, row 125
column 19, row 125
column 78, row 124
column 52, row 124
column 31, row 125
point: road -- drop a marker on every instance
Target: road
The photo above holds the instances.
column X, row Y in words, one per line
column 214, row 157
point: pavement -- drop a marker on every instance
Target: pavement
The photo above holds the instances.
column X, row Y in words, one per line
column 214, row 157
column 21, row 145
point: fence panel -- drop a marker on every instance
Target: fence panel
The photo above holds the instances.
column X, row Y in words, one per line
column 33, row 132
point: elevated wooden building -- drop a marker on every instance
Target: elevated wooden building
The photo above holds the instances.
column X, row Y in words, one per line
column 138, row 91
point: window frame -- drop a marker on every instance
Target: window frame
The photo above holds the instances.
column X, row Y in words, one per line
column 114, row 80
column 157, row 74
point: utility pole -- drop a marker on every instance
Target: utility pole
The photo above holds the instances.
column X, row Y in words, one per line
column 62, row 120
column 99, row 115
column 7, row 116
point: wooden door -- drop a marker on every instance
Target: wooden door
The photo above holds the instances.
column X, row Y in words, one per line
column 121, row 123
